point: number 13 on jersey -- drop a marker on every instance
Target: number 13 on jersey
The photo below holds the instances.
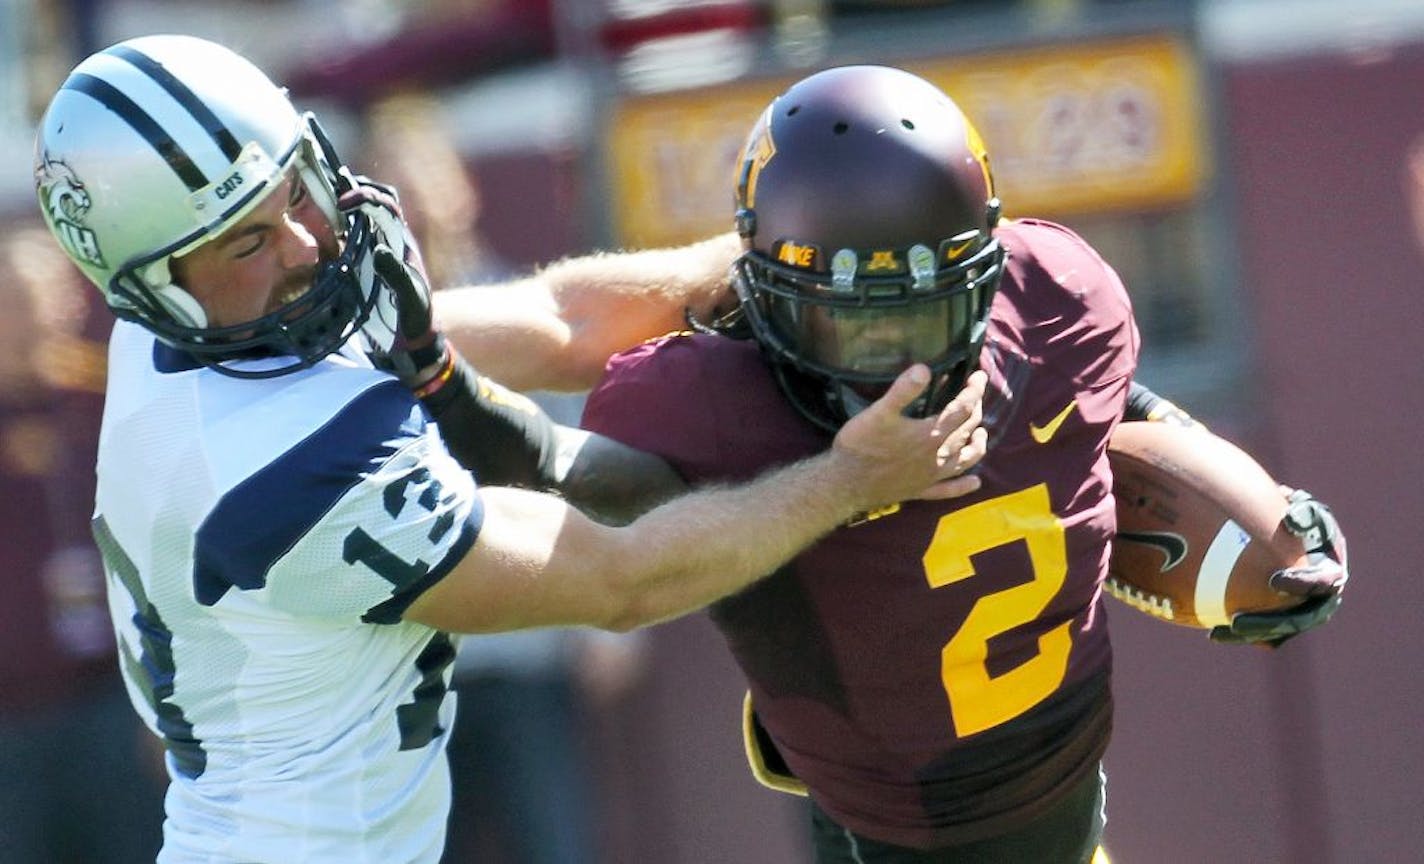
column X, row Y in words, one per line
column 977, row 700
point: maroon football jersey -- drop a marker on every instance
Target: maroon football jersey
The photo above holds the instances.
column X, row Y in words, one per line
column 937, row 674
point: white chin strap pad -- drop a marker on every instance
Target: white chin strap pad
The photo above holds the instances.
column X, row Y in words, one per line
column 184, row 308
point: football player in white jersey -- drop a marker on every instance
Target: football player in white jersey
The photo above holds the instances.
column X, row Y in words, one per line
column 288, row 538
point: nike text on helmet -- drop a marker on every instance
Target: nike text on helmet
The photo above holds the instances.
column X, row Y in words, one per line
column 866, row 209
column 158, row 144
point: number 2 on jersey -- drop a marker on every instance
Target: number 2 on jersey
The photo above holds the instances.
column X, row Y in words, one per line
column 978, row 700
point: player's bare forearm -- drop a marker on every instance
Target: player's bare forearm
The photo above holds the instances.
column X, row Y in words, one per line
column 556, row 329
column 708, row 544
column 538, row 562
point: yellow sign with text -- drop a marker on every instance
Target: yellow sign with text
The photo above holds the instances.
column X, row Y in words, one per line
column 1093, row 127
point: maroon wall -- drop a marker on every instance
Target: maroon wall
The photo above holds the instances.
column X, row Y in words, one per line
column 532, row 206
column 1337, row 291
column 1315, row 754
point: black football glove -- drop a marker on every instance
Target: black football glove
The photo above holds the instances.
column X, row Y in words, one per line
column 1320, row 582
column 501, row 436
column 416, row 345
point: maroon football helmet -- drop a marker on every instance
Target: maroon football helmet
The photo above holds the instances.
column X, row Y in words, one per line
column 866, row 209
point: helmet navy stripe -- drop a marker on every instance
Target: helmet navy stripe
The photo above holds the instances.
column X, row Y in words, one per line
column 110, row 97
column 185, row 97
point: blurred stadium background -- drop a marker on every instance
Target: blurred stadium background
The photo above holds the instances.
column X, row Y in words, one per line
column 1243, row 163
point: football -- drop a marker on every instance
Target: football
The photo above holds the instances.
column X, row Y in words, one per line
column 1199, row 528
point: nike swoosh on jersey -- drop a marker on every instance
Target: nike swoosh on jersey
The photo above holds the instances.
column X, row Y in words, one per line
column 1043, row 434
column 1172, row 546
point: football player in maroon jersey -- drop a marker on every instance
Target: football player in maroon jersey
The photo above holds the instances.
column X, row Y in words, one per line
column 935, row 675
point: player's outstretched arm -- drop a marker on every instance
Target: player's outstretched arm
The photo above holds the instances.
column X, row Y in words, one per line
column 500, row 435
column 555, row 329
column 539, row 562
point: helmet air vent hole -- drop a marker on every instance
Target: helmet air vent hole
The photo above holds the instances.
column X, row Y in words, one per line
column 792, row 110
column 908, row 124
column 841, row 128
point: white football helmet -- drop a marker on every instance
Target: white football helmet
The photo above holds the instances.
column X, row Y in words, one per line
column 156, row 145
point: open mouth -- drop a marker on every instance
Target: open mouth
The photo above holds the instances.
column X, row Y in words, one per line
column 287, row 300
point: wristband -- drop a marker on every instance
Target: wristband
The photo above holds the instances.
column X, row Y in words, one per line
column 1143, row 404
column 432, row 386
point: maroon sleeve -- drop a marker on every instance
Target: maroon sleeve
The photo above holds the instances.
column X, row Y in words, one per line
column 706, row 404
column 1072, row 308
column 642, row 401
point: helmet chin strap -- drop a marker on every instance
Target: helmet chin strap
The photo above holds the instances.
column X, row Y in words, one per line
column 809, row 396
column 851, row 401
column 184, row 307
column 839, row 401
column 825, row 402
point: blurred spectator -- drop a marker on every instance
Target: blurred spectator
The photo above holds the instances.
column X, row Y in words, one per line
column 79, row 781
column 520, row 753
column 409, row 147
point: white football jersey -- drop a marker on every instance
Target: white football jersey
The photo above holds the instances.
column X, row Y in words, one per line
column 262, row 538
